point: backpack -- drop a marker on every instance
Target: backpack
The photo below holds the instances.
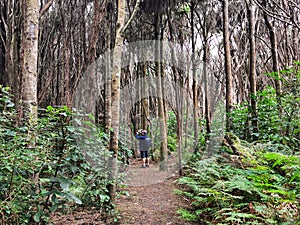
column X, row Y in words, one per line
column 148, row 142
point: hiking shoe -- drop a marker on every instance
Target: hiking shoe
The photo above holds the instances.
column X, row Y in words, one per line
column 147, row 165
column 143, row 166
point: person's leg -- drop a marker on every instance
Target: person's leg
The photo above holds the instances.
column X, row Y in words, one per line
column 147, row 159
column 143, row 156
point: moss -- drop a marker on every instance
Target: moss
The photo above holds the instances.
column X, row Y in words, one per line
column 245, row 152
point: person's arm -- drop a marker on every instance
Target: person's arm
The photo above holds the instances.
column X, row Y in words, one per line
column 140, row 137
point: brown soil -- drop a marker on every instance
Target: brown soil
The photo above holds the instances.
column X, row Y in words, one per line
column 151, row 199
column 148, row 198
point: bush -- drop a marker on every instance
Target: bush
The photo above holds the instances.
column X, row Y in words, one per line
column 228, row 189
column 272, row 128
column 56, row 172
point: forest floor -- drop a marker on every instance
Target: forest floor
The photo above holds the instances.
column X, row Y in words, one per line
column 147, row 198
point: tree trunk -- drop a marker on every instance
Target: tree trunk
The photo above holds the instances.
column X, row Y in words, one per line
column 178, row 83
column 274, row 51
column 207, row 105
column 145, row 101
column 30, row 58
column 160, row 100
column 195, row 79
column 107, row 84
column 252, row 71
column 227, row 66
column 115, row 97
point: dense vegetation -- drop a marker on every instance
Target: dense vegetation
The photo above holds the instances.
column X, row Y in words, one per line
column 79, row 78
column 47, row 169
column 44, row 168
column 252, row 182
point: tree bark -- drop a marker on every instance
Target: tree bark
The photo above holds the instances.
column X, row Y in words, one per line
column 115, row 98
column 228, row 71
column 274, row 51
column 252, row 71
column 205, row 78
column 30, row 58
column 107, row 84
column 160, row 100
column 195, row 80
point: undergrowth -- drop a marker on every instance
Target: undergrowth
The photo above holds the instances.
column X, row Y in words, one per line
column 63, row 169
column 233, row 189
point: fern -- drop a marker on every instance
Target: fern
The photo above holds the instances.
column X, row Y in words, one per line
column 255, row 195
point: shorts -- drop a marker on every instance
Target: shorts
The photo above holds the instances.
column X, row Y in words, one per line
column 144, row 154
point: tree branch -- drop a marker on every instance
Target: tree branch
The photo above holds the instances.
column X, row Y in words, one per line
column 136, row 7
column 45, row 8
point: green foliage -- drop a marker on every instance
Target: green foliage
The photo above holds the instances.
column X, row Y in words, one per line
column 172, row 131
column 273, row 126
column 225, row 190
column 184, row 8
column 172, row 143
column 172, row 123
column 63, row 169
column 253, row 183
column 185, row 214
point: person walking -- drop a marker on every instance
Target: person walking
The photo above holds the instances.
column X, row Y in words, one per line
column 144, row 146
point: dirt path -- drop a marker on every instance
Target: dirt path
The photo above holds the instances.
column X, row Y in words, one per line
column 151, row 199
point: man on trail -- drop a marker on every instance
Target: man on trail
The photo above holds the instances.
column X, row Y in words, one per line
column 144, row 145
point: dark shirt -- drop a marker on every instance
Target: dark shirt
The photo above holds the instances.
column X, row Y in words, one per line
column 144, row 141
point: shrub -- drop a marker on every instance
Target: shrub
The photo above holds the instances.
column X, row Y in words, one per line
column 225, row 190
column 58, row 173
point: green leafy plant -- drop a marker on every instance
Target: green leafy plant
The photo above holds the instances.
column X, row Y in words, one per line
column 65, row 169
column 225, row 190
column 274, row 126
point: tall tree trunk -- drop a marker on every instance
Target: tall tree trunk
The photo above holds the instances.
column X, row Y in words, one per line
column 66, row 81
column 178, row 83
column 30, row 58
column 115, row 97
column 195, row 78
column 252, row 71
column 274, row 51
column 207, row 105
column 160, row 100
column 107, row 85
column 228, row 71
column 145, row 101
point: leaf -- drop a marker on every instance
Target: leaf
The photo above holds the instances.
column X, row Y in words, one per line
column 72, row 197
column 65, row 185
column 78, row 121
column 295, row 176
column 37, row 216
column 53, row 208
column 71, row 129
column 54, row 199
column 49, row 108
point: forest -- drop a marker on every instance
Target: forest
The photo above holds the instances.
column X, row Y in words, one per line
column 215, row 84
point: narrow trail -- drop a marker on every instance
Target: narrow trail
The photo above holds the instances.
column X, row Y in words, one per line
column 151, row 199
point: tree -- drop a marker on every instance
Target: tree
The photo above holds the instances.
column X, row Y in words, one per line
column 115, row 97
column 195, row 77
column 159, row 70
column 252, row 68
column 30, row 58
column 107, row 84
column 274, row 50
column 227, row 65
